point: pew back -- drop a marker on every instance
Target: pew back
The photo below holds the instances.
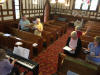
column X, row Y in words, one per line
column 66, row 63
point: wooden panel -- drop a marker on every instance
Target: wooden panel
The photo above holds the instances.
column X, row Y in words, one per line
column 61, row 9
column 26, row 7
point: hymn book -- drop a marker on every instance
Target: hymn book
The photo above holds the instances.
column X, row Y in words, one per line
column 67, row 48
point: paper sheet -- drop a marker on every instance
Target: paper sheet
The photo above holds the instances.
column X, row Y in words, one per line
column 35, row 44
column 67, row 48
column 23, row 52
column 7, row 35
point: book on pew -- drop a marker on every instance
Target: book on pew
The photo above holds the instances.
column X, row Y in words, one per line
column 67, row 48
column 7, row 35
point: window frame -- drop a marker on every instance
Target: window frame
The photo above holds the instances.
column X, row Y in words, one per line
column 88, row 7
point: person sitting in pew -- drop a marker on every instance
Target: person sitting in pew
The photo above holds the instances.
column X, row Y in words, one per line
column 24, row 23
column 38, row 28
column 94, row 49
column 78, row 23
column 7, row 68
column 79, row 32
column 74, row 43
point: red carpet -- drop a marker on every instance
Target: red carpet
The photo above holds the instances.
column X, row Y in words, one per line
column 47, row 59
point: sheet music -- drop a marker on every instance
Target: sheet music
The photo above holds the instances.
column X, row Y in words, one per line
column 16, row 51
column 67, row 48
column 26, row 53
column 23, row 52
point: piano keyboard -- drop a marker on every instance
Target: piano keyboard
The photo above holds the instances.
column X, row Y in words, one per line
column 26, row 64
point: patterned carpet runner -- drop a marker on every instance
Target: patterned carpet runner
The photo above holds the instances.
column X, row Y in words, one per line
column 48, row 59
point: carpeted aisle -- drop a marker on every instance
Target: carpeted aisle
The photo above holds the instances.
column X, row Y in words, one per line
column 47, row 59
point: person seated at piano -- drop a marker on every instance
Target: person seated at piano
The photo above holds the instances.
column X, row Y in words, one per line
column 38, row 28
column 24, row 23
column 7, row 68
column 74, row 43
column 94, row 49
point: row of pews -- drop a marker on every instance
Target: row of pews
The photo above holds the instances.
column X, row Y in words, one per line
column 52, row 31
column 73, row 66
column 78, row 65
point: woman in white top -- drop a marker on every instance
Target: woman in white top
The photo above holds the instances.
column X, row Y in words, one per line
column 74, row 43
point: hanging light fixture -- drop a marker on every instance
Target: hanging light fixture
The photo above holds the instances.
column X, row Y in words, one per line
column 61, row 1
column 53, row 1
column 35, row 2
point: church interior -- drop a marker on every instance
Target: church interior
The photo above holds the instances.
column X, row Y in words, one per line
column 49, row 37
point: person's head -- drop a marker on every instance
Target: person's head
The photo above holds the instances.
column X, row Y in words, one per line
column 77, row 28
column 24, row 17
column 38, row 20
column 97, row 40
column 2, row 54
column 74, row 35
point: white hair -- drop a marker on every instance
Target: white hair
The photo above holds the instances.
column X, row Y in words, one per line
column 38, row 19
column 77, row 28
column 74, row 34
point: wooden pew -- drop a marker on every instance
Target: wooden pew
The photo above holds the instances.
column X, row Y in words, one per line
column 52, row 30
column 46, row 38
column 50, row 33
column 60, row 30
column 29, row 37
column 85, row 43
column 9, row 43
column 66, row 63
column 87, row 38
column 62, row 24
column 47, row 35
column 93, row 34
